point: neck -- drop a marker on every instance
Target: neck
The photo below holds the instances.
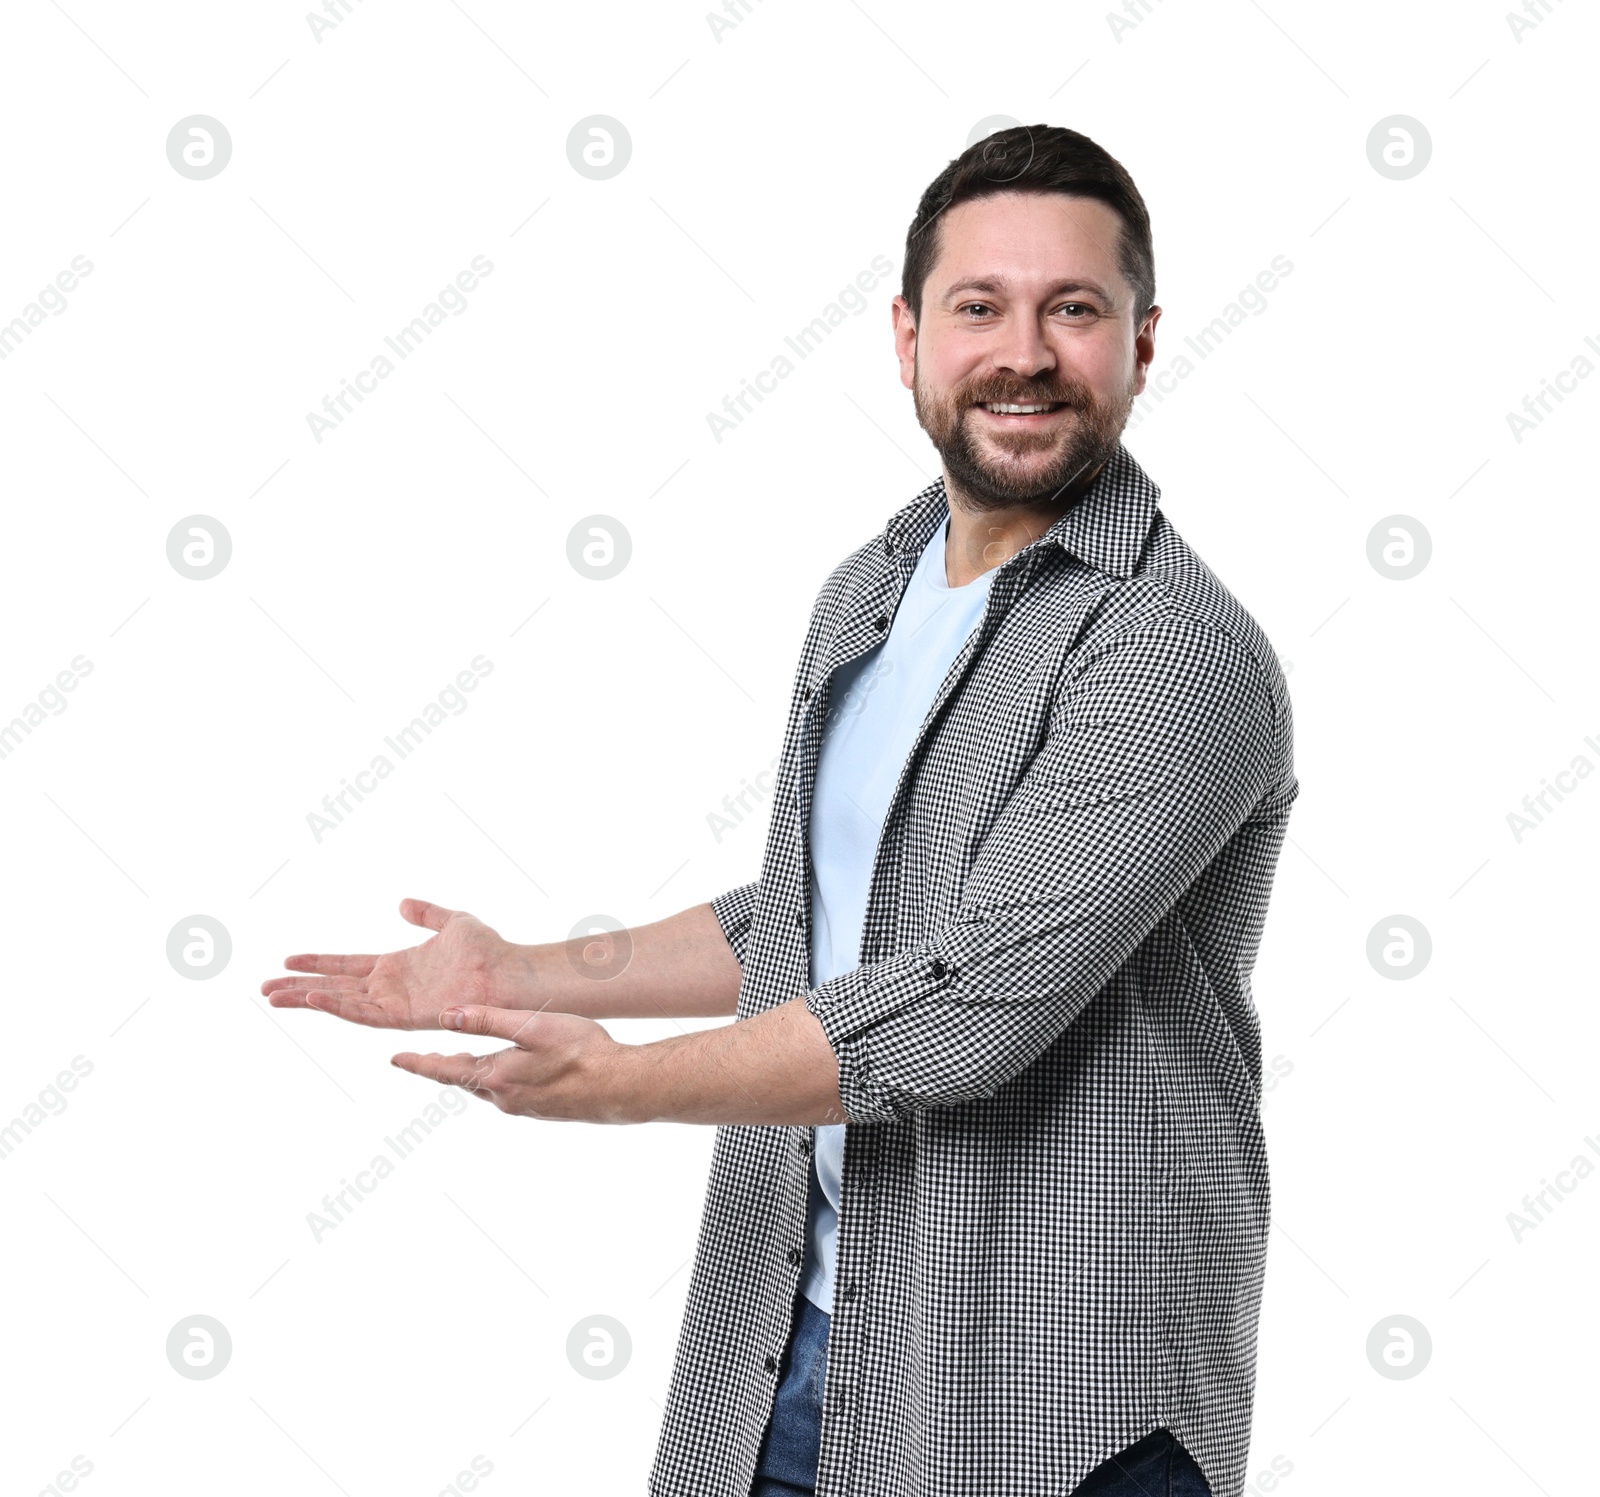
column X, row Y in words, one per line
column 982, row 538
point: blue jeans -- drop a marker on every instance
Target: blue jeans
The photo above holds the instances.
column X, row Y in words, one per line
column 1156, row 1466
column 787, row 1463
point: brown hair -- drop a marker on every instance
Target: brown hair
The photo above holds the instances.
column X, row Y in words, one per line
column 1034, row 158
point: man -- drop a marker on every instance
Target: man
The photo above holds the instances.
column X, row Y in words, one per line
column 989, row 1199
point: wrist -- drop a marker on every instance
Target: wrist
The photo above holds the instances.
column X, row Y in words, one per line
column 575, row 976
column 613, row 1085
column 546, row 981
column 521, row 983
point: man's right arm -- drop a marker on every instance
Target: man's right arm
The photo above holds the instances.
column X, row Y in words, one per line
column 685, row 966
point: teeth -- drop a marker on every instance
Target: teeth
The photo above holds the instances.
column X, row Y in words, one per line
column 1014, row 410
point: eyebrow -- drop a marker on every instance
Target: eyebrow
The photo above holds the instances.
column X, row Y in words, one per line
column 998, row 286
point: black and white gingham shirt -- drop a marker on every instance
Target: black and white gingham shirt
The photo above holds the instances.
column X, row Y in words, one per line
column 1055, row 1195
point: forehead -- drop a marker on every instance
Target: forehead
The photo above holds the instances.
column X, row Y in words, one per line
column 1027, row 239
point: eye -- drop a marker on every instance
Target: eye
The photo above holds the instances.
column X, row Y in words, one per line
column 1077, row 311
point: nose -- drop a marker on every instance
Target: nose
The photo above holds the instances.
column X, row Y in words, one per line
column 1024, row 350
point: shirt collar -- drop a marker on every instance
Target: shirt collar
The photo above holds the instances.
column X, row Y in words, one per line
column 1107, row 528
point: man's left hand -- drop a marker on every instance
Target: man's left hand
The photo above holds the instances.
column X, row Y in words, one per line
column 560, row 1066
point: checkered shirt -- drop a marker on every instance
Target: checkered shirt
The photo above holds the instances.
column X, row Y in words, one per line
column 1055, row 1198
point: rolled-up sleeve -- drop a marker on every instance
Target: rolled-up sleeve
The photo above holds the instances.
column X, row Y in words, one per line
column 1162, row 743
column 734, row 911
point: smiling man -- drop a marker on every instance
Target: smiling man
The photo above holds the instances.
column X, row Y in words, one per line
column 989, row 1199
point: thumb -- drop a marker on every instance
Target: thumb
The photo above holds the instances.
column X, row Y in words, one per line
column 514, row 1024
column 420, row 912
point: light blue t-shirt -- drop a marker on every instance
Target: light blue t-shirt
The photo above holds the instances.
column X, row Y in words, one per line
column 876, row 704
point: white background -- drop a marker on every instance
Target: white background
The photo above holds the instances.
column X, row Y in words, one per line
column 768, row 169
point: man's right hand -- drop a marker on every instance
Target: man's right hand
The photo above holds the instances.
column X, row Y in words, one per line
column 465, row 963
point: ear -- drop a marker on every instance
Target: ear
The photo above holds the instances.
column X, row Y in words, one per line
column 905, row 340
column 1144, row 348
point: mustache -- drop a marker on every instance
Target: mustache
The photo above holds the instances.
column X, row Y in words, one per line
column 1076, row 396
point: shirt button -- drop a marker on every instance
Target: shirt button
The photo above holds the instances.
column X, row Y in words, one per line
column 881, row 622
column 938, row 968
column 849, row 1291
column 772, row 1364
column 800, row 919
column 804, row 1146
column 794, row 1255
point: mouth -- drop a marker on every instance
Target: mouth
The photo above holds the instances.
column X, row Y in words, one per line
column 1033, row 413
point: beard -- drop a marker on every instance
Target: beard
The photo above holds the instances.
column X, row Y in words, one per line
column 1043, row 468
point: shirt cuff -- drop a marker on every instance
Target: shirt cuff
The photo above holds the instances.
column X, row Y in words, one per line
column 849, row 1005
column 734, row 911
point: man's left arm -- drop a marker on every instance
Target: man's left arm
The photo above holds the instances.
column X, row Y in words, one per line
column 774, row 1067
column 1165, row 741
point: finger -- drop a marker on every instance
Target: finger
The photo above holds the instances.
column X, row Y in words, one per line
column 292, row 998
column 316, row 983
column 420, row 912
column 296, row 997
column 351, row 1006
column 514, row 1024
column 466, row 1071
column 330, row 966
column 348, row 1006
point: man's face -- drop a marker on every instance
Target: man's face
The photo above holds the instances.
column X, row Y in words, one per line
column 1025, row 306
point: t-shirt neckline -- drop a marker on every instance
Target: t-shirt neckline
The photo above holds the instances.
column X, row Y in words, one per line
column 932, row 565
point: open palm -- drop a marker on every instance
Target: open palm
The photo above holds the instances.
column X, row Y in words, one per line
column 466, row 962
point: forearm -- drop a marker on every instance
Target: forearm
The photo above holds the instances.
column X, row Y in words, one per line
column 774, row 1068
column 679, row 968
